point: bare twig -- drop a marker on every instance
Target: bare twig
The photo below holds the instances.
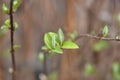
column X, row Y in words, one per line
column 96, row 37
column 12, row 41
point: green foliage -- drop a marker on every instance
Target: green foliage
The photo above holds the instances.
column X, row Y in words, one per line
column 116, row 70
column 6, row 53
column 49, row 40
column 16, row 47
column 7, row 23
column 56, row 50
column 60, row 36
column 55, row 42
column 69, row 45
column 5, row 9
column 100, row 46
column 105, row 31
column 16, row 4
column 53, row 76
column 41, row 57
column 15, row 25
column 6, row 26
column 89, row 69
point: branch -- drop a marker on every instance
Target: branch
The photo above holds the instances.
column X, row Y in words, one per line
column 12, row 41
column 96, row 37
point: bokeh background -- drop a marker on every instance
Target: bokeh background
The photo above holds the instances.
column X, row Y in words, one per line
column 95, row 60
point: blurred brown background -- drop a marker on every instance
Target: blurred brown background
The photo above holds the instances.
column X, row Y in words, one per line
column 35, row 17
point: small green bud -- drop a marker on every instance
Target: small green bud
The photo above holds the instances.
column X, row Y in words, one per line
column 16, row 4
column 5, row 9
column 16, row 25
column 105, row 31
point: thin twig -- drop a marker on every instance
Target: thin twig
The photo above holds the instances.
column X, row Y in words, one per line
column 12, row 41
column 45, row 63
column 96, row 37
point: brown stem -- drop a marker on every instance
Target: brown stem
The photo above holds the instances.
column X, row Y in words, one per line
column 45, row 63
column 96, row 37
column 12, row 41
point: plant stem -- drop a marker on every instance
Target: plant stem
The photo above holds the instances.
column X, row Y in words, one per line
column 12, row 41
column 45, row 63
column 96, row 37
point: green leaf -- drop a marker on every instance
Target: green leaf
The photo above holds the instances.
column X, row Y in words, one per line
column 56, row 50
column 60, row 36
column 16, row 47
column 48, row 40
column 16, row 4
column 4, row 27
column 105, row 31
column 70, row 45
column 53, row 41
column 5, row 9
column 15, row 25
column 7, row 22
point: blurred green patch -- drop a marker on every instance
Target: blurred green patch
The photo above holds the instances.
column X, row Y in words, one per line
column 100, row 46
column 89, row 69
column 116, row 70
column 53, row 76
column 118, row 19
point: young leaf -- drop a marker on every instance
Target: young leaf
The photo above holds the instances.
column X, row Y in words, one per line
column 7, row 22
column 16, row 4
column 105, row 31
column 15, row 25
column 57, row 50
column 5, row 9
column 53, row 41
column 60, row 36
column 16, row 47
column 4, row 27
column 48, row 40
column 70, row 45
column 55, row 37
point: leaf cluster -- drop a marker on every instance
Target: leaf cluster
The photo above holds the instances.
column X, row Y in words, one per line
column 16, row 4
column 55, row 42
